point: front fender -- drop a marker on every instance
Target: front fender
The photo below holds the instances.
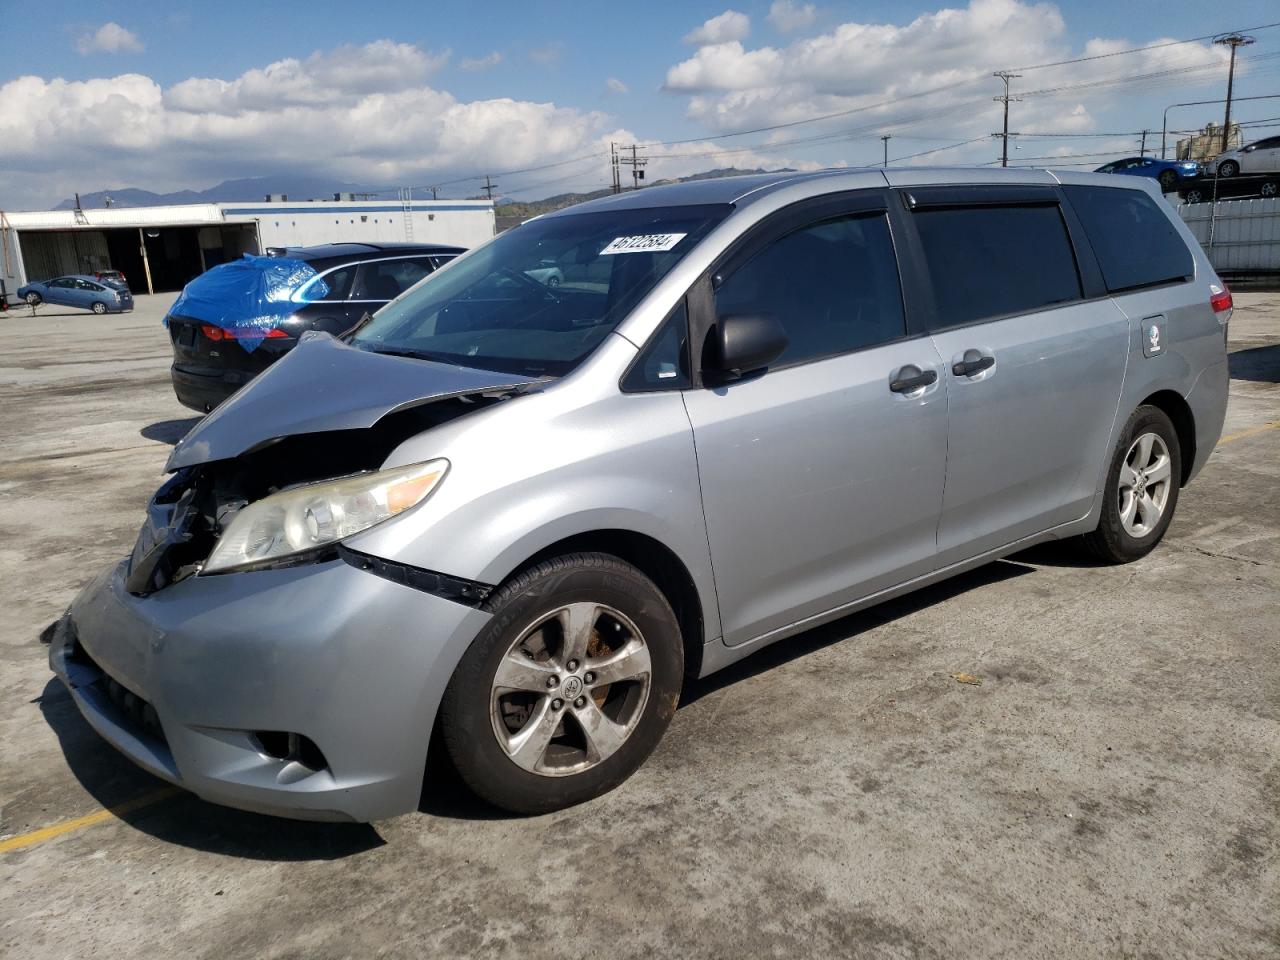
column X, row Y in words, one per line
column 537, row 470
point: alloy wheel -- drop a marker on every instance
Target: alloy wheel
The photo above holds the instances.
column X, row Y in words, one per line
column 570, row 690
column 1145, row 483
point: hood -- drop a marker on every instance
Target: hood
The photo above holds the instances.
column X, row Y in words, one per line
column 323, row 384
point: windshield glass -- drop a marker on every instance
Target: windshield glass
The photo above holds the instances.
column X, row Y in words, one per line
column 539, row 299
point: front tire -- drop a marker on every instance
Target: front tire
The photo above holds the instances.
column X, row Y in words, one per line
column 1141, row 489
column 569, row 687
column 1168, row 180
column 1228, row 168
column 33, row 299
column 99, row 308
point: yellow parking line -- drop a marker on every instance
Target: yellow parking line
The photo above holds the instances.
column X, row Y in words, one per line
column 1252, row 431
column 58, row 829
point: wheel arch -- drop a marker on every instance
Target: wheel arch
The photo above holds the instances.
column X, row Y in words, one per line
column 656, row 561
column 1176, row 408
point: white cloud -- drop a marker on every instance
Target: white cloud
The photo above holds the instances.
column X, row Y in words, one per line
column 358, row 114
column 948, row 54
column 728, row 26
column 548, row 55
column 476, row 64
column 109, row 38
column 788, row 16
column 614, row 85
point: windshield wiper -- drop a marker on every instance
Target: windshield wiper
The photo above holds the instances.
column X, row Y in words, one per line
column 413, row 354
column 361, row 323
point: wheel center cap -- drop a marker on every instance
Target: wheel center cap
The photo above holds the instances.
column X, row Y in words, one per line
column 572, row 687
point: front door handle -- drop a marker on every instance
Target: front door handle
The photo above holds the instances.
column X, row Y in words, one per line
column 967, row 368
column 905, row 384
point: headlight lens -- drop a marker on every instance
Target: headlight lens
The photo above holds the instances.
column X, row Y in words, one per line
column 305, row 518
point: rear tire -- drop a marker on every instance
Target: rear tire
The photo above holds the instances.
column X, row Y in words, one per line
column 1168, row 180
column 1228, row 168
column 99, row 308
column 34, row 299
column 531, row 718
column 1269, row 189
column 1141, row 490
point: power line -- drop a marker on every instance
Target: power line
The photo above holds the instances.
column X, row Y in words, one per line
column 1151, row 46
column 1155, row 76
column 929, row 92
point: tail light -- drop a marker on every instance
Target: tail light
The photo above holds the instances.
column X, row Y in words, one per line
column 1220, row 301
column 240, row 333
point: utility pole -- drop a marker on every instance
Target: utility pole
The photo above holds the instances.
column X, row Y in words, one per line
column 885, row 138
column 434, row 193
column 489, row 187
column 636, row 163
column 1142, row 152
column 1234, row 41
column 1006, row 76
column 614, row 170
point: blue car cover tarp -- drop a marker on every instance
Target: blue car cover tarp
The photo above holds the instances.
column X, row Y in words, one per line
column 249, row 296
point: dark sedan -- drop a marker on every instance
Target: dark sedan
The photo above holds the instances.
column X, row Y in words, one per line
column 211, row 360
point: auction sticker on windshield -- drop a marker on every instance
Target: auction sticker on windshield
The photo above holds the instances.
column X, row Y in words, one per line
column 646, row 243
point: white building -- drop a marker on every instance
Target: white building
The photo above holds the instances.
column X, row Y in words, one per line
column 160, row 248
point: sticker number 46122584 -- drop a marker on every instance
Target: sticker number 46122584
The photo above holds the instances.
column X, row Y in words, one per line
column 645, row 243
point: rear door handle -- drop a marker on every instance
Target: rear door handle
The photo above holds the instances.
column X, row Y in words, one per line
column 967, row 368
column 906, row 384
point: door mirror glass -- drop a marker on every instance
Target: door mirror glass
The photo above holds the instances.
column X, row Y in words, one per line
column 745, row 342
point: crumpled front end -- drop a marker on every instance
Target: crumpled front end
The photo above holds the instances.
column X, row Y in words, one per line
column 306, row 692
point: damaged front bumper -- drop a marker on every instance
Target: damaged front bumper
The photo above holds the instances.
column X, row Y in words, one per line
column 213, row 682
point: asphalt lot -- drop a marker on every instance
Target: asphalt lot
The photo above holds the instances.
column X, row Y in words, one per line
column 1111, row 789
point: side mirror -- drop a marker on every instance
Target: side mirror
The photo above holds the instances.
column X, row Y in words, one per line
column 744, row 342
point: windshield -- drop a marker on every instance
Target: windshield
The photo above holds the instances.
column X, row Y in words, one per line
column 539, row 299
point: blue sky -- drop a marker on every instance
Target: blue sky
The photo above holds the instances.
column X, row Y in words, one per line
column 451, row 92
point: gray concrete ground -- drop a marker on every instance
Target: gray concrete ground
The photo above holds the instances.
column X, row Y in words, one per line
column 1110, row 790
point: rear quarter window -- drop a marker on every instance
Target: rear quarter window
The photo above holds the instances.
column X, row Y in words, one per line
column 1133, row 238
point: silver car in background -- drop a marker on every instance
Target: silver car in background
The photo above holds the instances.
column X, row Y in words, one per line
column 518, row 516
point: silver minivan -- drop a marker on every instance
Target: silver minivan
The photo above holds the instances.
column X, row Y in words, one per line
column 514, row 515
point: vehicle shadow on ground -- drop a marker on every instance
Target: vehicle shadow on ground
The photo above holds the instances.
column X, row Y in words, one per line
column 189, row 821
column 169, row 431
column 1258, row 364
column 44, row 310
column 185, row 819
column 445, row 795
column 848, row 628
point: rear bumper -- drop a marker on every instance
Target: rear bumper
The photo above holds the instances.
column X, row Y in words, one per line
column 203, row 392
column 1208, row 403
column 179, row 682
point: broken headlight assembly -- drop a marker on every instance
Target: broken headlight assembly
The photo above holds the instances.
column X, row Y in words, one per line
column 294, row 523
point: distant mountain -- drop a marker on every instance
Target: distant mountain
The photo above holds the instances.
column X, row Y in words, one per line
column 299, row 187
column 252, row 189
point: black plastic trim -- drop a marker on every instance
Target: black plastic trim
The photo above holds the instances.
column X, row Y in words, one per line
column 469, row 593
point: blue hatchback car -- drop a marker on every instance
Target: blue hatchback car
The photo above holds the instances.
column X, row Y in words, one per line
column 1169, row 173
column 89, row 293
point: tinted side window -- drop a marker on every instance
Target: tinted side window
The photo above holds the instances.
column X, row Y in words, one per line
column 339, row 282
column 1134, row 241
column 834, row 286
column 664, row 362
column 989, row 262
column 387, row 279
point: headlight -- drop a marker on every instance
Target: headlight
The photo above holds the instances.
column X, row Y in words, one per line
column 305, row 518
